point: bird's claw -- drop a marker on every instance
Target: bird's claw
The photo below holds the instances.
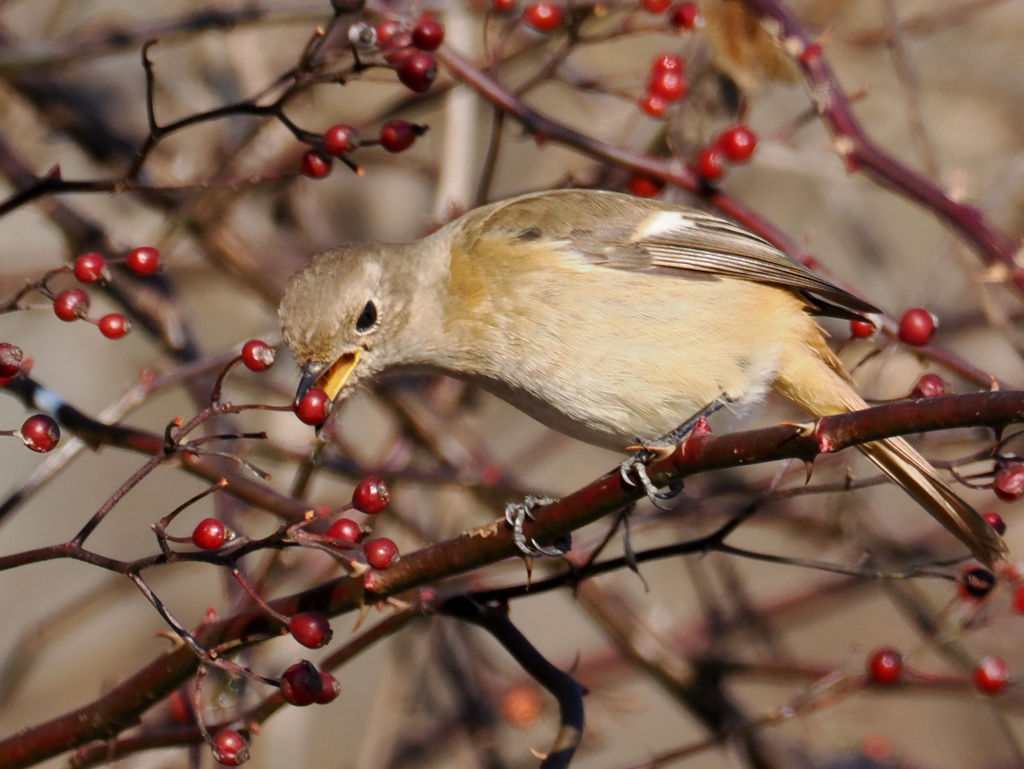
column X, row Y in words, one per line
column 517, row 513
column 636, row 466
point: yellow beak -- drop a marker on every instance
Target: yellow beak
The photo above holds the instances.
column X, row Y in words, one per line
column 330, row 379
column 333, row 380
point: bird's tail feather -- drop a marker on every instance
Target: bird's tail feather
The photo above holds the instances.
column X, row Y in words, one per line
column 904, row 466
column 818, row 384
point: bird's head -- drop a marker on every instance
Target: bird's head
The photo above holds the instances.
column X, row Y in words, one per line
column 341, row 313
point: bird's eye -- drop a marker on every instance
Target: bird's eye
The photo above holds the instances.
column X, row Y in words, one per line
column 368, row 318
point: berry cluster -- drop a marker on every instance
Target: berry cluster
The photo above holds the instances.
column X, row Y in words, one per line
column 73, row 304
column 302, row 683
column 735, row 144
column 666, row 83
column 408, row 52
column 39, row 432
column 886, row 667
column 340, row 140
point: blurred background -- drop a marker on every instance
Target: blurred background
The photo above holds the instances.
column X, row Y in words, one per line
column 704, row 649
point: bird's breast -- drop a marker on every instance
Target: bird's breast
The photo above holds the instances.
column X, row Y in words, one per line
column 611, row 357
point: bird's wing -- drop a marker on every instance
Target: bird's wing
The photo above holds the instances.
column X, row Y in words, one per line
column 651, row 236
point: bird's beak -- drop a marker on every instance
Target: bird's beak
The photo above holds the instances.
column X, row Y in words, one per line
column 330, row 379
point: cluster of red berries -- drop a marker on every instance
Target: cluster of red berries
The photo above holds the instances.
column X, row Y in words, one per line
column 917, row 326
column 666, row 83
column 735, row 144
column 341, row 139
column 39, row 432
column 313, row 408
column 370, row 496
column 301, row 684
column 73, row 304
column 408, row 51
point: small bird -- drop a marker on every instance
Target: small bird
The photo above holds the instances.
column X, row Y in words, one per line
column 610, row 318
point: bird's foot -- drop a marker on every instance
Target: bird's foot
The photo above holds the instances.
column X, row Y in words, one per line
column 517, row 513
column 636, row 467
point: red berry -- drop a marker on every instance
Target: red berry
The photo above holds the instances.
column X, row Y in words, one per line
column 301, row 684
column 314, row 408
column 1008, row 483
column 992, row 675
column 418, row 71
column 995, row 520
column 503, row 6
column 885, row 666
column 644, row 186
column 397, row 135
column 386, row 31
column 929, row 386
column 71, row 304
column 143, row 261
column 257, row 355
column 340, row 139
column 330, row 691
column 976, row 582
column 655, row 6
column 710, row 163
column 315, row 164
column 861, row 329
column 181, row 710
column 670, row 85
column 40, row 433
column 428, row 34
column 311, row 629
column 916, row 327
column 209, row 534
column 685, row 16
column 381, row 553
column 543, row 16
column 114, row 326
column 667, row 62
column 399, row 48
column 737, row 143
column 653, row 104
column 230, row 748
column 11, row 357
column 91, row 267
column 371, row 495
column 346, row 530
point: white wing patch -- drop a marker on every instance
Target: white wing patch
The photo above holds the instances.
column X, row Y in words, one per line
column 661, row 223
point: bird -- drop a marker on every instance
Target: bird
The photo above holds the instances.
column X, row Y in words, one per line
column 613, row 319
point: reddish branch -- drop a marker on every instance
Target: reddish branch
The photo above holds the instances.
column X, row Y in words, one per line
column 211, row 469
column 860, row 152
column 489, row 544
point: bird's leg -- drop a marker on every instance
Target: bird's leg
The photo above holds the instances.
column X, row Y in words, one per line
column 516, row 514
column 636, row 465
